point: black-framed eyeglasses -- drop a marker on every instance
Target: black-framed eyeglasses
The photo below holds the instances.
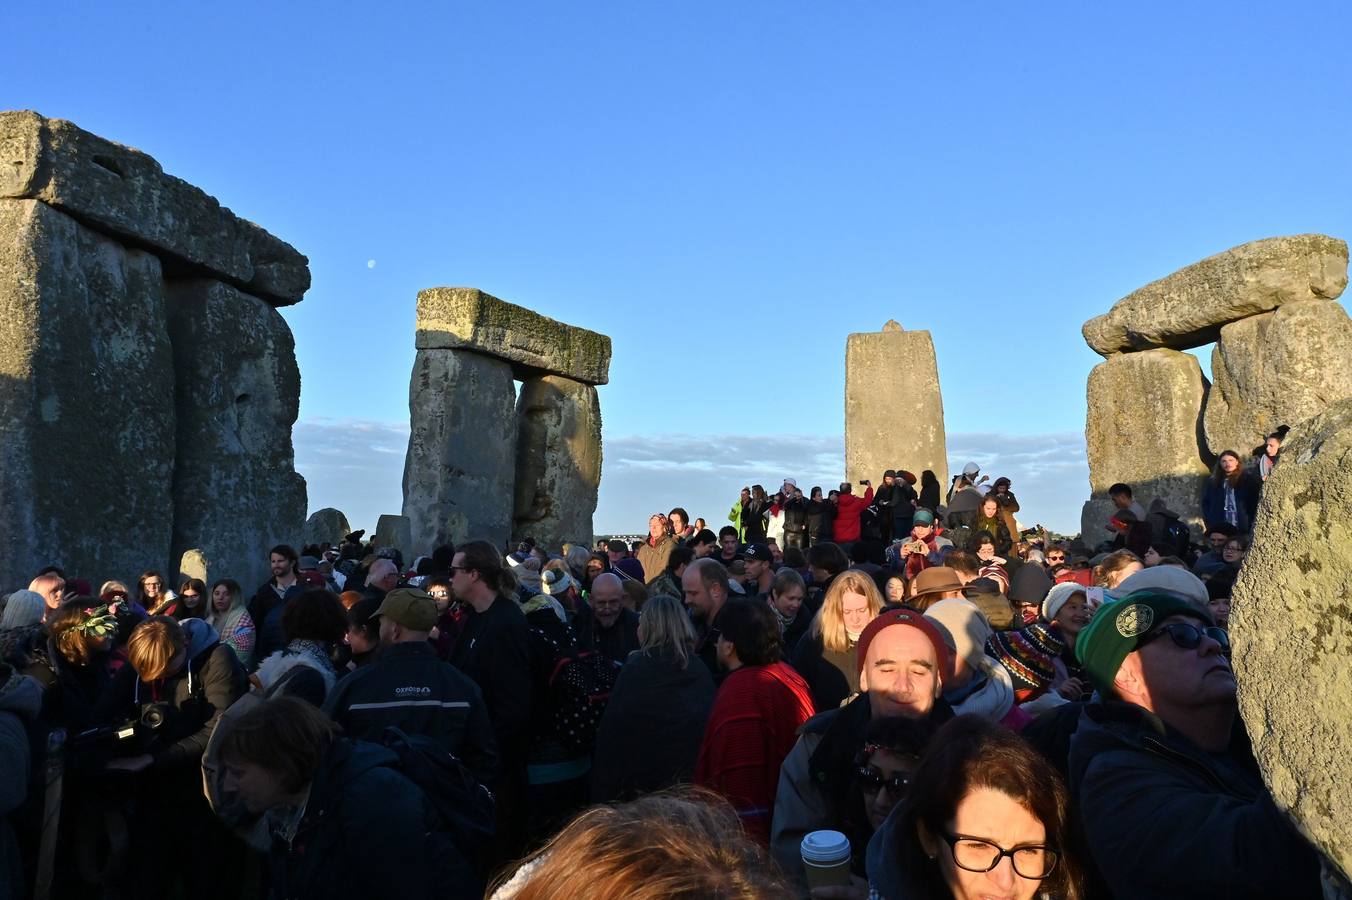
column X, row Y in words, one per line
column 1032, row 861
column 1188, row 636
column 871, row 781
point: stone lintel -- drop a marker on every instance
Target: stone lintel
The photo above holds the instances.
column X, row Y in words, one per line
column 124, row 193
column 468, row 319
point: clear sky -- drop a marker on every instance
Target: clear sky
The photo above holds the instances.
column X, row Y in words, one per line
column 728, row 190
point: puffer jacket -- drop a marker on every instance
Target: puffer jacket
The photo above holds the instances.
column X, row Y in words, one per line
column 20, row 702
column 1150, row 798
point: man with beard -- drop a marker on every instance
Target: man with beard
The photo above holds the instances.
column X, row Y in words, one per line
column 706, row 588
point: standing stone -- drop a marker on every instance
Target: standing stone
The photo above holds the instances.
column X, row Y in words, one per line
column 1278, row 368
column 236, row 489
column 86, row 401
column 326, row 525
column 558, row 460
column 396, row 532
column 1291, row 626
column 193, row 564
column 1144, row 416
column 461, row 461
column 894, row 411
column 1188, row 308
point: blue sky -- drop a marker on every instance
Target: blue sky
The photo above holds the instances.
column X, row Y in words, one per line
column 728, row 190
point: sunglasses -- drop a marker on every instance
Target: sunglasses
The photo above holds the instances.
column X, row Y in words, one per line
column 1056, row 559
column 1188, row 637
column 871, row 782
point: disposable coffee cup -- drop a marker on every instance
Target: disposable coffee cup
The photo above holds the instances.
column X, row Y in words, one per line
column 826, row 857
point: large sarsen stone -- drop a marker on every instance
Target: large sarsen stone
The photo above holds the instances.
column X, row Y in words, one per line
column 1143, row 418
column 236, row 490
column 1291, row 626
column 1188, row 308
column 461, row 449
column 86, row 401
column 558, row 460
column 1278, row 368
column 894, row 410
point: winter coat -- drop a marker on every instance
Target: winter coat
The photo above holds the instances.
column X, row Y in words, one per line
column 408, row 688
column 848, row 508
column 495, row 651
column 796, row 520
column 816, row 783
column 735, row 517
column 210, row 682
column 753, row 521
column 821, row 521
column 654, row 557
column 990, row 696
column 831, row 675
column 650, row 733
column 888, row 877
column 1246, row 502
column 368, row 831
column 774, row 526
column 302, row 670
column 20, row 702
column 1147, row 796
column 753, row 725
column 615, row 642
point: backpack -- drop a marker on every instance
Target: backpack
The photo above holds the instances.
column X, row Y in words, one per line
column 465, row 807
column 579, row 688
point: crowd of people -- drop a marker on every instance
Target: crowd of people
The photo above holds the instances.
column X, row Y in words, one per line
column 962, row 707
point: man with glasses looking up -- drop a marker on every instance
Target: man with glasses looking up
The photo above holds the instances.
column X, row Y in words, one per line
column 1160, row 765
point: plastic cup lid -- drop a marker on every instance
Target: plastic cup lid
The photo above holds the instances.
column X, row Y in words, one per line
column 825, row 847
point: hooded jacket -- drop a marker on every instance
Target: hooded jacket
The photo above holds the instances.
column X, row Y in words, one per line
column 209, row 683
column 1147, row 796
column 848, row 509
column 20, row 702
column 368, row 831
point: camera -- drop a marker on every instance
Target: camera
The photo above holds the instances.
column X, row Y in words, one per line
column 154, row 715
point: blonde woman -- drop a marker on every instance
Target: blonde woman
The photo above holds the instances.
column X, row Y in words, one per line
column 650, row 733
column 825, row 656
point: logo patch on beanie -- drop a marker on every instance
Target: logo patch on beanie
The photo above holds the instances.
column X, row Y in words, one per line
column 1135, row 620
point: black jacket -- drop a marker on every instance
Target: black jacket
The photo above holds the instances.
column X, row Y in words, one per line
column 1150, row 799
column 795, row 516
column 615, row 642
column 368, row 831
column 753, row 521
column 830, row 675
column 1246, row 502
column 265, row 608
column 650, row 733
column 821, row 521
column 409, row 688
column 495, row 651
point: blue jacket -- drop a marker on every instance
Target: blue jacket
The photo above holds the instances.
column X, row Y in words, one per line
column 1165, row 819
column 1246, row 502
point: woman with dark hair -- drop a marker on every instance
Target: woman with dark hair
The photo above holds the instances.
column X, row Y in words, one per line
column 929, row 492
column 151, row 591
column 1271, row 453
column 597, row 564
column 314, row 623
column 1231, row 495
column 985, row 814
column 998, row 522
column 230, row 617
column 189, row 603
column 754, row 514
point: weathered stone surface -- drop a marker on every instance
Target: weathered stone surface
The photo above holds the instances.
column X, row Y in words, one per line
column 126, row 193
column 461, row 461
column 326, row 525
column 558, row 460
column 1188, row 308
column 894, row 410
column 86, row 401
column 236, row 490
column 1291, row 625
column 467, row 318
column 396, row 532
column 1142, row 428
column 193, row 564
column 1278, row 368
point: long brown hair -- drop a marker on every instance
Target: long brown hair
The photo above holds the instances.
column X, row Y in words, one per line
column 1218, row 474
column 969, row 754
column 681, row 845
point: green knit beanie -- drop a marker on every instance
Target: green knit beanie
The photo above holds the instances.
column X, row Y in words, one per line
column 1118, row 625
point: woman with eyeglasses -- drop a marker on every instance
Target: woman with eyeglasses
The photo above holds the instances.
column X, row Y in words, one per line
column 985, row 815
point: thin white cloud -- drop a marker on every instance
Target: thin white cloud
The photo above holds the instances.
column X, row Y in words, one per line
column 357, row 466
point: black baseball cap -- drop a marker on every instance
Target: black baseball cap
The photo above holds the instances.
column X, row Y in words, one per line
column 759, row 552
